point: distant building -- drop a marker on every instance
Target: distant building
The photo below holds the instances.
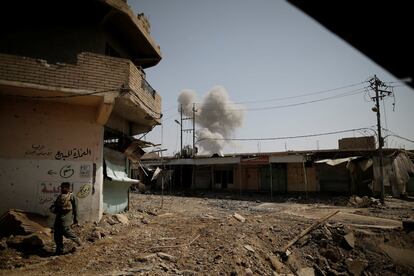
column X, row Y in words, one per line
column 73, row 95
column 274, row 173
column 354, row 143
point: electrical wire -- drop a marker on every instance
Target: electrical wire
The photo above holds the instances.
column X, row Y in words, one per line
column 286, row 137
column 349, row 93
column 397, row 136
column 385, row 118
column 300, row 95
column 403, row 138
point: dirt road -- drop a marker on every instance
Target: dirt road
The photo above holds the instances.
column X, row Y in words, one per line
column 201, row 236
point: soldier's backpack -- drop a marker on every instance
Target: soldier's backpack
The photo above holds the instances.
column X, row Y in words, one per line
column 63, row 203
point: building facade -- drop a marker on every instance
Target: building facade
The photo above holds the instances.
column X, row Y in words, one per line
column 343, row 172
column 72, row 83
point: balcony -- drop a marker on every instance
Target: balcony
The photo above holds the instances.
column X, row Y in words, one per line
column 93, row 77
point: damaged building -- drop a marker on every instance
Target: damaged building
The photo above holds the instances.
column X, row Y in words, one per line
column 73, row 96
column 353, row 168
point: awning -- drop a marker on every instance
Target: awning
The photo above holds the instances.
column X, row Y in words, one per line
column 117, row 173
column 334, row 162
column 115, row 166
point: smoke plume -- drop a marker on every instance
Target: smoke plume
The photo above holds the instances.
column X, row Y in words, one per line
column 216, row 117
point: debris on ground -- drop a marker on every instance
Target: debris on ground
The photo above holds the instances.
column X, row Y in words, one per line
column 23, row 229
column 239, row 217
column 363, row 202
column 350, row 240
column 306, row 271
column 18, row 222
column 307, row 230
column 203, row 236
column 122, row 219
column 249, row 248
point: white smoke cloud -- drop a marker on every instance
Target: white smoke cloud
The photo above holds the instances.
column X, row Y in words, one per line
column 186, row 99
column 216, row 117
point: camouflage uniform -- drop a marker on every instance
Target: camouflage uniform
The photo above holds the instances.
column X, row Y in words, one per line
column 63, row 222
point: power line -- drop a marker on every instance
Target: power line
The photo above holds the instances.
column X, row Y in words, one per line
column 403, row 138
column 300, row 95
column 345, row 94
column 398, row 136
column 287, row 137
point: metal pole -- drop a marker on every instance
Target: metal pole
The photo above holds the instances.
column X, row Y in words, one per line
column 181, row 132
column 162, row 181
column 305, row 177
column 194, row 153
column 380, row 140
column 213, row 181
column 271, row 182
column 193, row 180
column 240, row 178
column 162, row 191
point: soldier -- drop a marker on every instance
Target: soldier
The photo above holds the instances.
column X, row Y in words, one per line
column 65, row 208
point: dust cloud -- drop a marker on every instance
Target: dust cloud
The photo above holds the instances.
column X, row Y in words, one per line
column 216, row 118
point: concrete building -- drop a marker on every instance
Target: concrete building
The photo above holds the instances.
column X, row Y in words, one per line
column 355, row 143
column 334, row 171
column 71, row 84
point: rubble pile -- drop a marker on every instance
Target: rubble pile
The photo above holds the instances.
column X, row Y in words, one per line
column 199, row 236
column 21, row 229
column 337, row 249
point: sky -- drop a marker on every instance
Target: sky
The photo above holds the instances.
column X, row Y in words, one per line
column 264, row 50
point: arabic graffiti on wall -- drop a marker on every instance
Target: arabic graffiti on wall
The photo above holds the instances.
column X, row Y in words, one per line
column 84, row 191
column 50, row 190
column 85, row 171
column 73, row 153
column 77, row 173
column 48, row 193
column 38, row 150
column 34, row 182
column 66, row 171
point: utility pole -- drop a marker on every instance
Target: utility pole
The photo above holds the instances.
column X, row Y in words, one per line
column 194, row 111
column 380, row 141
column 379, row 95
column 192, row 129
column 181, row 131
